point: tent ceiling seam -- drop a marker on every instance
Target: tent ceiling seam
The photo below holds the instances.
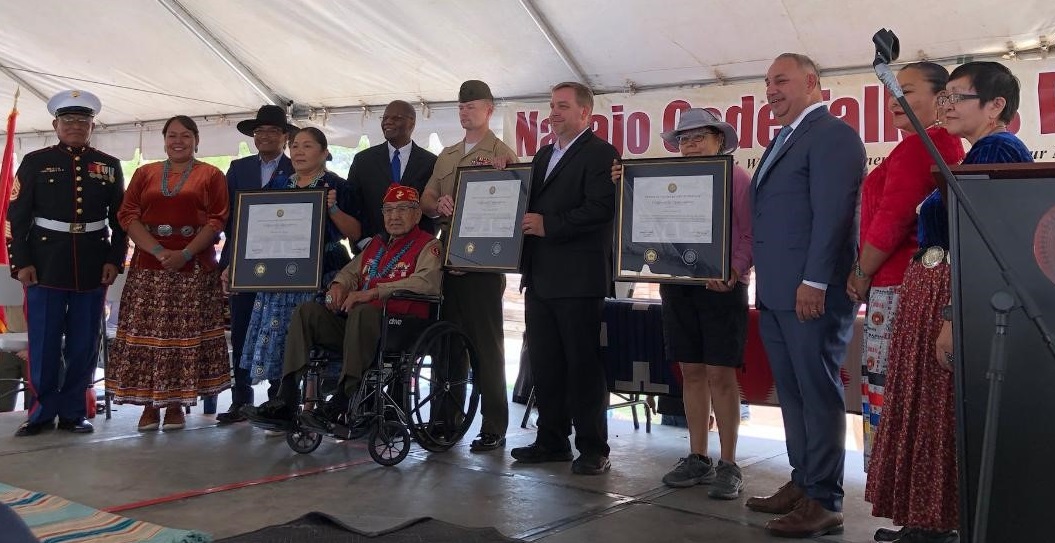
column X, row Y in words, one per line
column 555, row 42
column 221, row 50
column 22, row 82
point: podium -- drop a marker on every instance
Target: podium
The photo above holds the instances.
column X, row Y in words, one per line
column 1016, row 204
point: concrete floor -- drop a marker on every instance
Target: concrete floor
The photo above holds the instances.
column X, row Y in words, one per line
column 231, row 480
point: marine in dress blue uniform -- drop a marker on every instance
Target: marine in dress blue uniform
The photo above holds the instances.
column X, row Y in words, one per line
column 66, row 247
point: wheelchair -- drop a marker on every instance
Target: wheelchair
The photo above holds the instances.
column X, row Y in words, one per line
column 420, row 388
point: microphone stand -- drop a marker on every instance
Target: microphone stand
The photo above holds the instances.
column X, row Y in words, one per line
column 1003, row 301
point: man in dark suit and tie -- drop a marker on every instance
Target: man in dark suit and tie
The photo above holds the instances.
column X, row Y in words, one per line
column 567, row 270
column 269, row 131
column 804, row 197
column 398, row 160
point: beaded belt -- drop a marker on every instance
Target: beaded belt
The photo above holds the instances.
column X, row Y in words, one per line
column 166, row 230
column 71, row 227
column 932, row 256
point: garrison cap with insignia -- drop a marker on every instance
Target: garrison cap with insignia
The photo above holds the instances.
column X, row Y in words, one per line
column 74, row 101
column 474, row 89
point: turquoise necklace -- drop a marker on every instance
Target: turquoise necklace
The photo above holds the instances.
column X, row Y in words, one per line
column 166, row 169
column 373, row 273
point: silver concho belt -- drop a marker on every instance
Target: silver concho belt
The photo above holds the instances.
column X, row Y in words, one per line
column 933, row 256
column 166, row 230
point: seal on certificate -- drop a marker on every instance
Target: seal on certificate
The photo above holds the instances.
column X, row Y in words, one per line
column 291, row 269
column 259, row 269
column 690, row 257
column 470, row 248
column 672, row 188
column 280, row 213
column 496, row 248
column 491, row 190
column 651, row 256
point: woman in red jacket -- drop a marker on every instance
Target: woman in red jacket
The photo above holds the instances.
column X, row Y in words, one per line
column 889, row 198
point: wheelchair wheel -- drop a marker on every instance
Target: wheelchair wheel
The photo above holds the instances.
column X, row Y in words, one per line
column 389, row 443
column 302, row 440
column 441, row 396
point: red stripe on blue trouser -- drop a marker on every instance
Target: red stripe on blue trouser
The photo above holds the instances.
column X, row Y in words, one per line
column 63, row 328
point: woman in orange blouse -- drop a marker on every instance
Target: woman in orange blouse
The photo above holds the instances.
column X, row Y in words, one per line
column 170, row 346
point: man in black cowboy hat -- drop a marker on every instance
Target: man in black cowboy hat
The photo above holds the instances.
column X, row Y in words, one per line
column 270, row 131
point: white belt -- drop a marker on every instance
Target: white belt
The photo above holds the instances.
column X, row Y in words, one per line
column 71, row 227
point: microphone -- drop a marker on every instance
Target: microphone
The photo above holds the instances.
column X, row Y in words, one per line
column 887, row 46
column 887, row 50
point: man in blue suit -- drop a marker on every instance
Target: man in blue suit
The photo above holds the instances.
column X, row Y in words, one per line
column 270, row 131
column 805, row 197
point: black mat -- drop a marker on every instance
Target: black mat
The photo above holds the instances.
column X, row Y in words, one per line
column 322, row 528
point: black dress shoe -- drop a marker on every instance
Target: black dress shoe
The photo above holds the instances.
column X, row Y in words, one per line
column 33, row 428
column 487, row 442
column 883, row 535
column 273, row 414
column 537, row 454
column 590, row 464
column 324, row 417
column 231, row 416
column 77, row 426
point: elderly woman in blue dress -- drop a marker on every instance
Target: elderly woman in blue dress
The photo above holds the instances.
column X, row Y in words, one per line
column 272, row 311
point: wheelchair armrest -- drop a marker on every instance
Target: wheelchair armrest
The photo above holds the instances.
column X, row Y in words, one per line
column 415, row 297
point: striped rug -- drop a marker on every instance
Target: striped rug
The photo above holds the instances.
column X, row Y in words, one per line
column 56, row 520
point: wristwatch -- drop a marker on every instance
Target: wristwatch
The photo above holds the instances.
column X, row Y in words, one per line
column 946, row 313
column 858, row 272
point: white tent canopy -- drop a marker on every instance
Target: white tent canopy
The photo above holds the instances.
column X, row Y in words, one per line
column 339, row 62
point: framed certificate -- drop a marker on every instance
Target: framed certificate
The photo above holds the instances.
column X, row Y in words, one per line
column 278, row 240
column 489, row 207
column 675, row 220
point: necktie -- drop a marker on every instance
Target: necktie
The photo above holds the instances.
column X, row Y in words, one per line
column 782, row 136
column 396, row 167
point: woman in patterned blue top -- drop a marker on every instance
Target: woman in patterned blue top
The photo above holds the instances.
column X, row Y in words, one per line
column 912, row 477
column 272, row 311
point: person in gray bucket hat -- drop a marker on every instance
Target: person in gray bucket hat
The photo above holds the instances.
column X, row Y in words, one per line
column 705, row 327
column 698, row 120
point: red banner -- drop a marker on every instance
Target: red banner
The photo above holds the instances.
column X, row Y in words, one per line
column 7, row 178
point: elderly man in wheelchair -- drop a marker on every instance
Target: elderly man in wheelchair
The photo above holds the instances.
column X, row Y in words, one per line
column 350, row 320
column 374, row 305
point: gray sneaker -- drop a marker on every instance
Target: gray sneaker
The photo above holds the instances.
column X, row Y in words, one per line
column 692, row 470
column 728, row 482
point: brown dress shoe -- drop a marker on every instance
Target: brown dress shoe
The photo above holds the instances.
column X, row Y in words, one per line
column 781, row 503
column 809, row 519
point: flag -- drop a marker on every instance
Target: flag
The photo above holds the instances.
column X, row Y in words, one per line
column 7, row 179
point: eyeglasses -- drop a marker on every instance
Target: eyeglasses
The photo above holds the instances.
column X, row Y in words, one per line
column 951, row 99
column 75, row 120
column 694, row 137
column 401, row 208
column 267, row 131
